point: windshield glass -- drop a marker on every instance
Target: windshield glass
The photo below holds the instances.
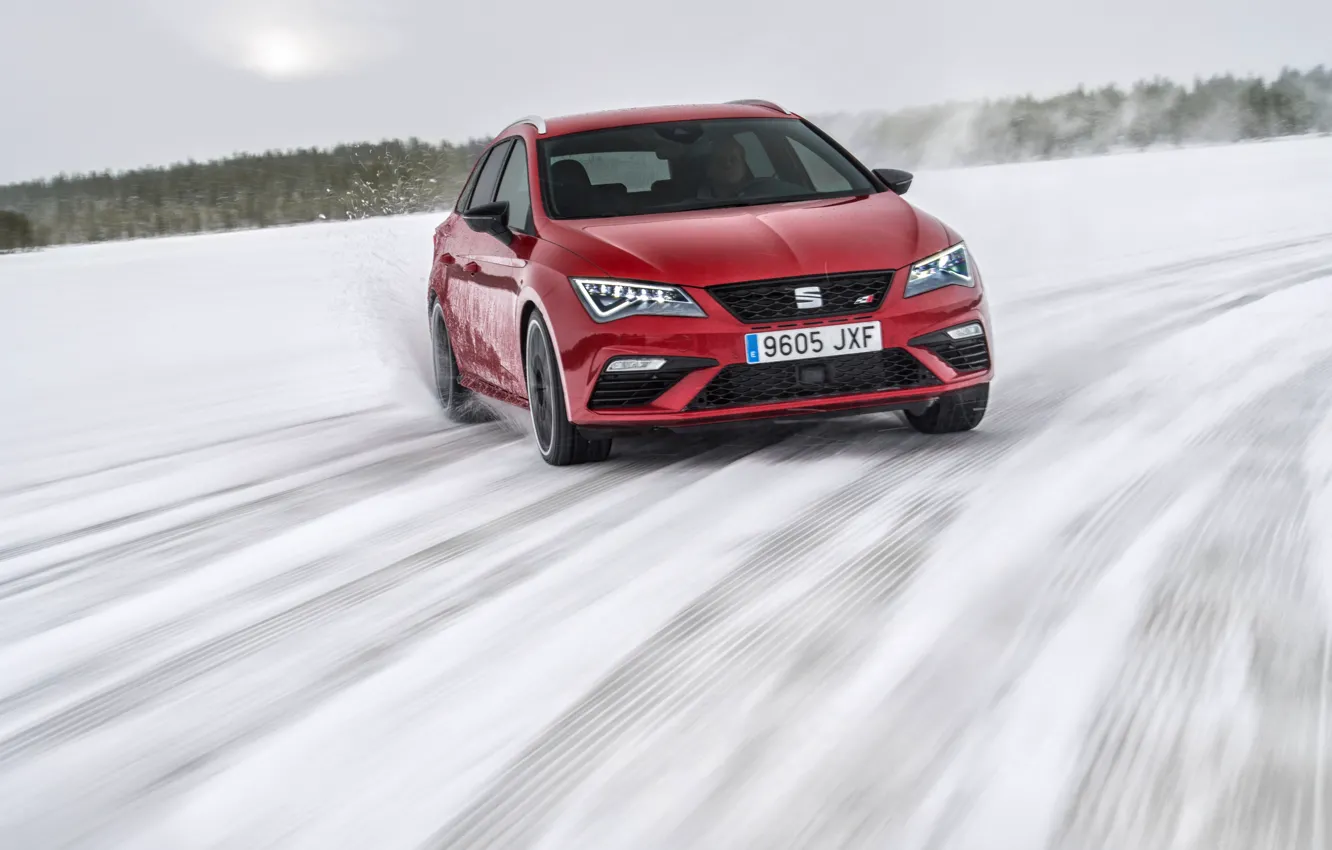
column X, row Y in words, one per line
column 691, row 165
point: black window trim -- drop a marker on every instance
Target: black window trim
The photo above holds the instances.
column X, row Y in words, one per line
column 501, row 147
column 464, row 201
column 529, row 226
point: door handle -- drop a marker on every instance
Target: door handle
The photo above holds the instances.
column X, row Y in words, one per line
column 447, row 259
column 471, row 267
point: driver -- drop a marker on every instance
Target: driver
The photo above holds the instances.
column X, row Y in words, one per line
column 727, row 172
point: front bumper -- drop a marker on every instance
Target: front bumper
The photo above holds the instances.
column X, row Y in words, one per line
column 917, row 366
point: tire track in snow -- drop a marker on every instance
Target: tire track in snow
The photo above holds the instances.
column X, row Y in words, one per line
column 106, row 706
column 1204, row 740
column 704, row 647
column 659, row 678
column 327, row 457
column 192, row 761
column 259, row 595
column 770, row 643
column 295, row 430
column 1120, row 522
column 640, row 691
column 883, row 768
column 1140, row 279
column 192, row 541
column 127, row 652
column 934, row 797
column 1300, row 273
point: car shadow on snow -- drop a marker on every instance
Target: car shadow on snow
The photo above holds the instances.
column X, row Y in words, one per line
column 868, row 435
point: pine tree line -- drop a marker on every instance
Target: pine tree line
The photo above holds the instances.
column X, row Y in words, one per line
column 15, row 232
column 1084, row 122
column 249, row 191
column 392, row 177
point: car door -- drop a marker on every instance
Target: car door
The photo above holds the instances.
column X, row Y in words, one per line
column 496, row 286
column 467, row 331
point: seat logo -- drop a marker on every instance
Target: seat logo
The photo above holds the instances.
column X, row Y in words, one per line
column 808, row 297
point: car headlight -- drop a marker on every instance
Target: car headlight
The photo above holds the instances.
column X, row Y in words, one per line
column 608, row 300
column 946, row 268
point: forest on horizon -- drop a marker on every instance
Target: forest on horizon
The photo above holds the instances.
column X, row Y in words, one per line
column 406, row 176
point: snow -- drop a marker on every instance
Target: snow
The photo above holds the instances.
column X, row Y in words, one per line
column 256, row 592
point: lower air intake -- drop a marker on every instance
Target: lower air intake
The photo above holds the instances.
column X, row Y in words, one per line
column 766, row 383
column 963, row 355
column 633, row 389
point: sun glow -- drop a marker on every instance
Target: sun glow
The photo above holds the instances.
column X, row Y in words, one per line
column 281, row 54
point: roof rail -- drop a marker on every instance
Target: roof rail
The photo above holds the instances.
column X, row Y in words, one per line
column 766, row 104
column 535, row 120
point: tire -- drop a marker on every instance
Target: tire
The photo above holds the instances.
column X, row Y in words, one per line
column 960, row 410
column 557, row 438
column 456, row 400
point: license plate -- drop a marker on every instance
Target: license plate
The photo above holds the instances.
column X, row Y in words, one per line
column 806, row 343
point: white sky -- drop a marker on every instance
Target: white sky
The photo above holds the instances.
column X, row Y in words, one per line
column 92, row 84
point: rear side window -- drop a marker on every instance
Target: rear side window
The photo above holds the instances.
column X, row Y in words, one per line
column 755, row 156
column 464, row 197
column 489, row 177
column 822, row 175
column 513, row 187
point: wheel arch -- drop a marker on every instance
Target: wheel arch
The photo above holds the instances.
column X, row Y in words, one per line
column 532, row 306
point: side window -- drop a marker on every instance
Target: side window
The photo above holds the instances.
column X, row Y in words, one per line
column 822, row 175
column 757, row 158
column 490, row 172
column 464, row 197
column 514, row 189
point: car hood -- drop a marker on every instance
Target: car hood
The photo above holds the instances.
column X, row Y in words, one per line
column 706, row 247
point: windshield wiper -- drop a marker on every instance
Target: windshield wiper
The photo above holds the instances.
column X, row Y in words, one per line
column 754, row 202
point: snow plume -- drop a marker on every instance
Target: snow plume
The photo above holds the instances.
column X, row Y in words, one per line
column 284, row 39
column 397, row 178
column 1091, row 121
column 381, row 292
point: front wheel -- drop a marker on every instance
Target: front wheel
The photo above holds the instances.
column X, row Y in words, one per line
column 557, row 438
column 960, row 410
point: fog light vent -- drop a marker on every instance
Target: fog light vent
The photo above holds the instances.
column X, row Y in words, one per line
column 636, row 364
column 966, row 331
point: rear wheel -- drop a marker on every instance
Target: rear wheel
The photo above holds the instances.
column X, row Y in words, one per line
column 557, row 438
column 456, row 399
column 960, row 410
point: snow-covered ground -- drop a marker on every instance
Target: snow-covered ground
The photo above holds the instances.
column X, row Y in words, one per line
column 254, row 592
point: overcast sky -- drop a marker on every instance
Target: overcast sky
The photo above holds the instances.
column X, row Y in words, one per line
column 92, row 84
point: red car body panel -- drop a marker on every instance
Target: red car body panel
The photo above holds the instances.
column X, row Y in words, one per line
column 489, row 288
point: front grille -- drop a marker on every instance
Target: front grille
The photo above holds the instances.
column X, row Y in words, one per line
column 964, row 355
column 633, row 389
column 775, row 300
column 875, row 371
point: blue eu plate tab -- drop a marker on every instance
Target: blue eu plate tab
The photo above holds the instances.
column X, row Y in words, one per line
column 751, row 348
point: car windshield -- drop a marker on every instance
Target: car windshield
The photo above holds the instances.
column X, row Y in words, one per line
column 692, row 165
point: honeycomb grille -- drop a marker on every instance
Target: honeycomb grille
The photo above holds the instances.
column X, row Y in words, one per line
column 764, row 383
column 964, row 355
column 775, row 300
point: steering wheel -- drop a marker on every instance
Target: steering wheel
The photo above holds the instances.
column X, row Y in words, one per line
column 757, row 185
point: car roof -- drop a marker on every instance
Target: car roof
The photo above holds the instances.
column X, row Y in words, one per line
column 566, row 124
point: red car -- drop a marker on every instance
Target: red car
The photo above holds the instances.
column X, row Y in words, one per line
column 687, row 265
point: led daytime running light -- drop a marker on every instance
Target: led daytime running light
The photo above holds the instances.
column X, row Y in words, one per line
column 607, row 300
column 946, row 268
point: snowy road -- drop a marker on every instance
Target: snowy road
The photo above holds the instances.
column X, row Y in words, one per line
column 254, row 592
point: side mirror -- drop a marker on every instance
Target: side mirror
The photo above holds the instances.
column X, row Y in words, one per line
column 492, row 218
column 897, row 179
